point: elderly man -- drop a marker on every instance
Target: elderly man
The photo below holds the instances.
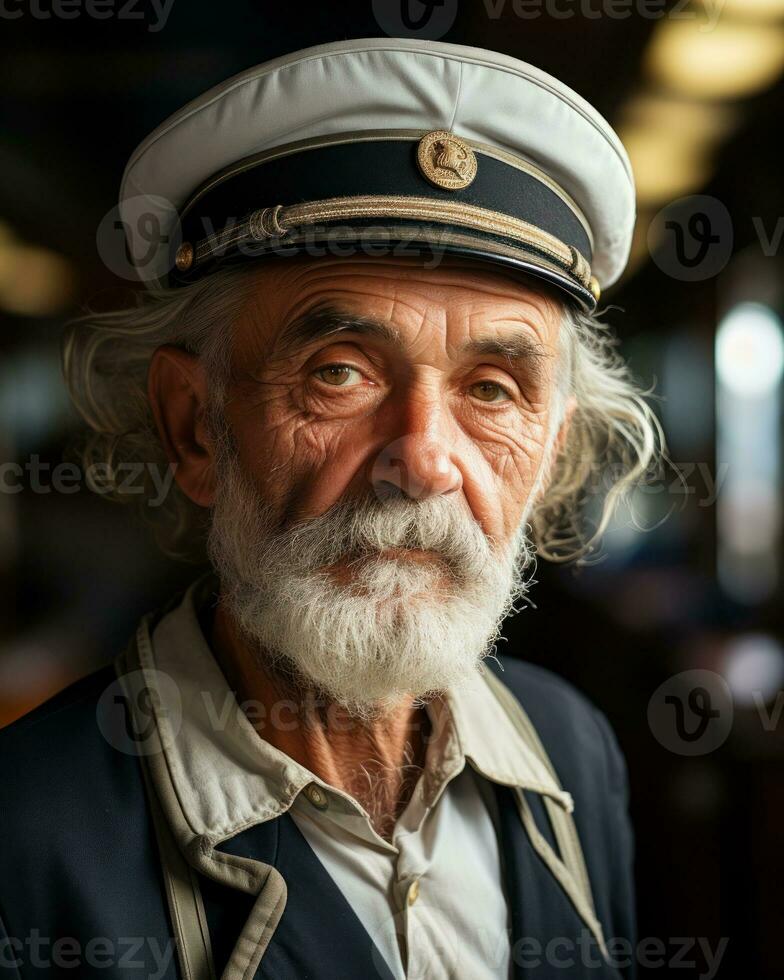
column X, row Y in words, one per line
column 368, row 351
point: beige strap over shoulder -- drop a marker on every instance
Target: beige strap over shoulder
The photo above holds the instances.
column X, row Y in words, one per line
column 569, row 869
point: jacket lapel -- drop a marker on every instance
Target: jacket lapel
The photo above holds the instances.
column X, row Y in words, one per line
column 547, row 935
column 318, row 936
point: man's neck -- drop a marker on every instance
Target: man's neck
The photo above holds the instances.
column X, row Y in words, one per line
column 377, row 761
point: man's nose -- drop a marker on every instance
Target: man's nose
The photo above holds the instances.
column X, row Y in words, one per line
column 419, row 465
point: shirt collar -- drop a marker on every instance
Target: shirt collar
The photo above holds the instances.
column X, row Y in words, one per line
column 226, row 778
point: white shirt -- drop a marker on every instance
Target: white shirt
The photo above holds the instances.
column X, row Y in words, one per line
column 434, row 891
column 432, row 898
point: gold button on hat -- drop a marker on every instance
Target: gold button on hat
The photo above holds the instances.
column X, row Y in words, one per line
column 413, row 892
column 446, row 160
column 317, row 796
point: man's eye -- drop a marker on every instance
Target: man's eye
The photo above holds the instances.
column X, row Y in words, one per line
column 339, row 375
column 488, row 391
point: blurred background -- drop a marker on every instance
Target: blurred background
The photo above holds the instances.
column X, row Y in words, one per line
column 689, row 582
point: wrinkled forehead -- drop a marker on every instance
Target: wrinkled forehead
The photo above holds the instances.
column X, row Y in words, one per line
column 292, row 300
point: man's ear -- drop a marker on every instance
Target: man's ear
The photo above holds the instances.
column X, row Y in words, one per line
column 177, row 389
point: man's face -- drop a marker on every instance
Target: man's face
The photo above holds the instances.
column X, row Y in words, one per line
column 356, row 376
column 382, row 437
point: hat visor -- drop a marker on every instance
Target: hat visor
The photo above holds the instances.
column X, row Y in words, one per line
column 427, row 243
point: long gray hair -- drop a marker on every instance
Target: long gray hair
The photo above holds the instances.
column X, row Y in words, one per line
column 614, row 434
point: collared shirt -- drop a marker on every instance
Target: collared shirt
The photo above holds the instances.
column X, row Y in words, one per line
column 431, row 898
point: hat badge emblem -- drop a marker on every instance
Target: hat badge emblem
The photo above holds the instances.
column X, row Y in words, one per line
column 446, row 161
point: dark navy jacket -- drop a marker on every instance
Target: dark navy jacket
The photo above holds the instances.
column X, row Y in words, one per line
column 81, row 891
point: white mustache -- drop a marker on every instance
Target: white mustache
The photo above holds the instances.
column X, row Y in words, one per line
column 355, row 529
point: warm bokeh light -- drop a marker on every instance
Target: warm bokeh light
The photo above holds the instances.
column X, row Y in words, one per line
column 670, row 142
column 34, row 281
column 726, row 60
column 744, row 9
column 665, row 168
column 687, row 120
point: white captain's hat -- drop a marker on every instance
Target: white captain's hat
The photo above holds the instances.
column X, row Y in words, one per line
column 385, row 142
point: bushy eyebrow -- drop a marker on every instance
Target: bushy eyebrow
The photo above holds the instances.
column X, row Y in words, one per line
column 517, row 350
column 327, row 322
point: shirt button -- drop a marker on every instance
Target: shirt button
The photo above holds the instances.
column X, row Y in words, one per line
column 317, row 796
column 413, row 892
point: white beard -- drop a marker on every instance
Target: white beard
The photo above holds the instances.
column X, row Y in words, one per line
column 385, row 627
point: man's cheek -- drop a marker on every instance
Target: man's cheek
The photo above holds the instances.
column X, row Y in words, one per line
column 515, row 456
column 325, row 460
column 266, row 441
column 267, row 436
column 312, row 444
